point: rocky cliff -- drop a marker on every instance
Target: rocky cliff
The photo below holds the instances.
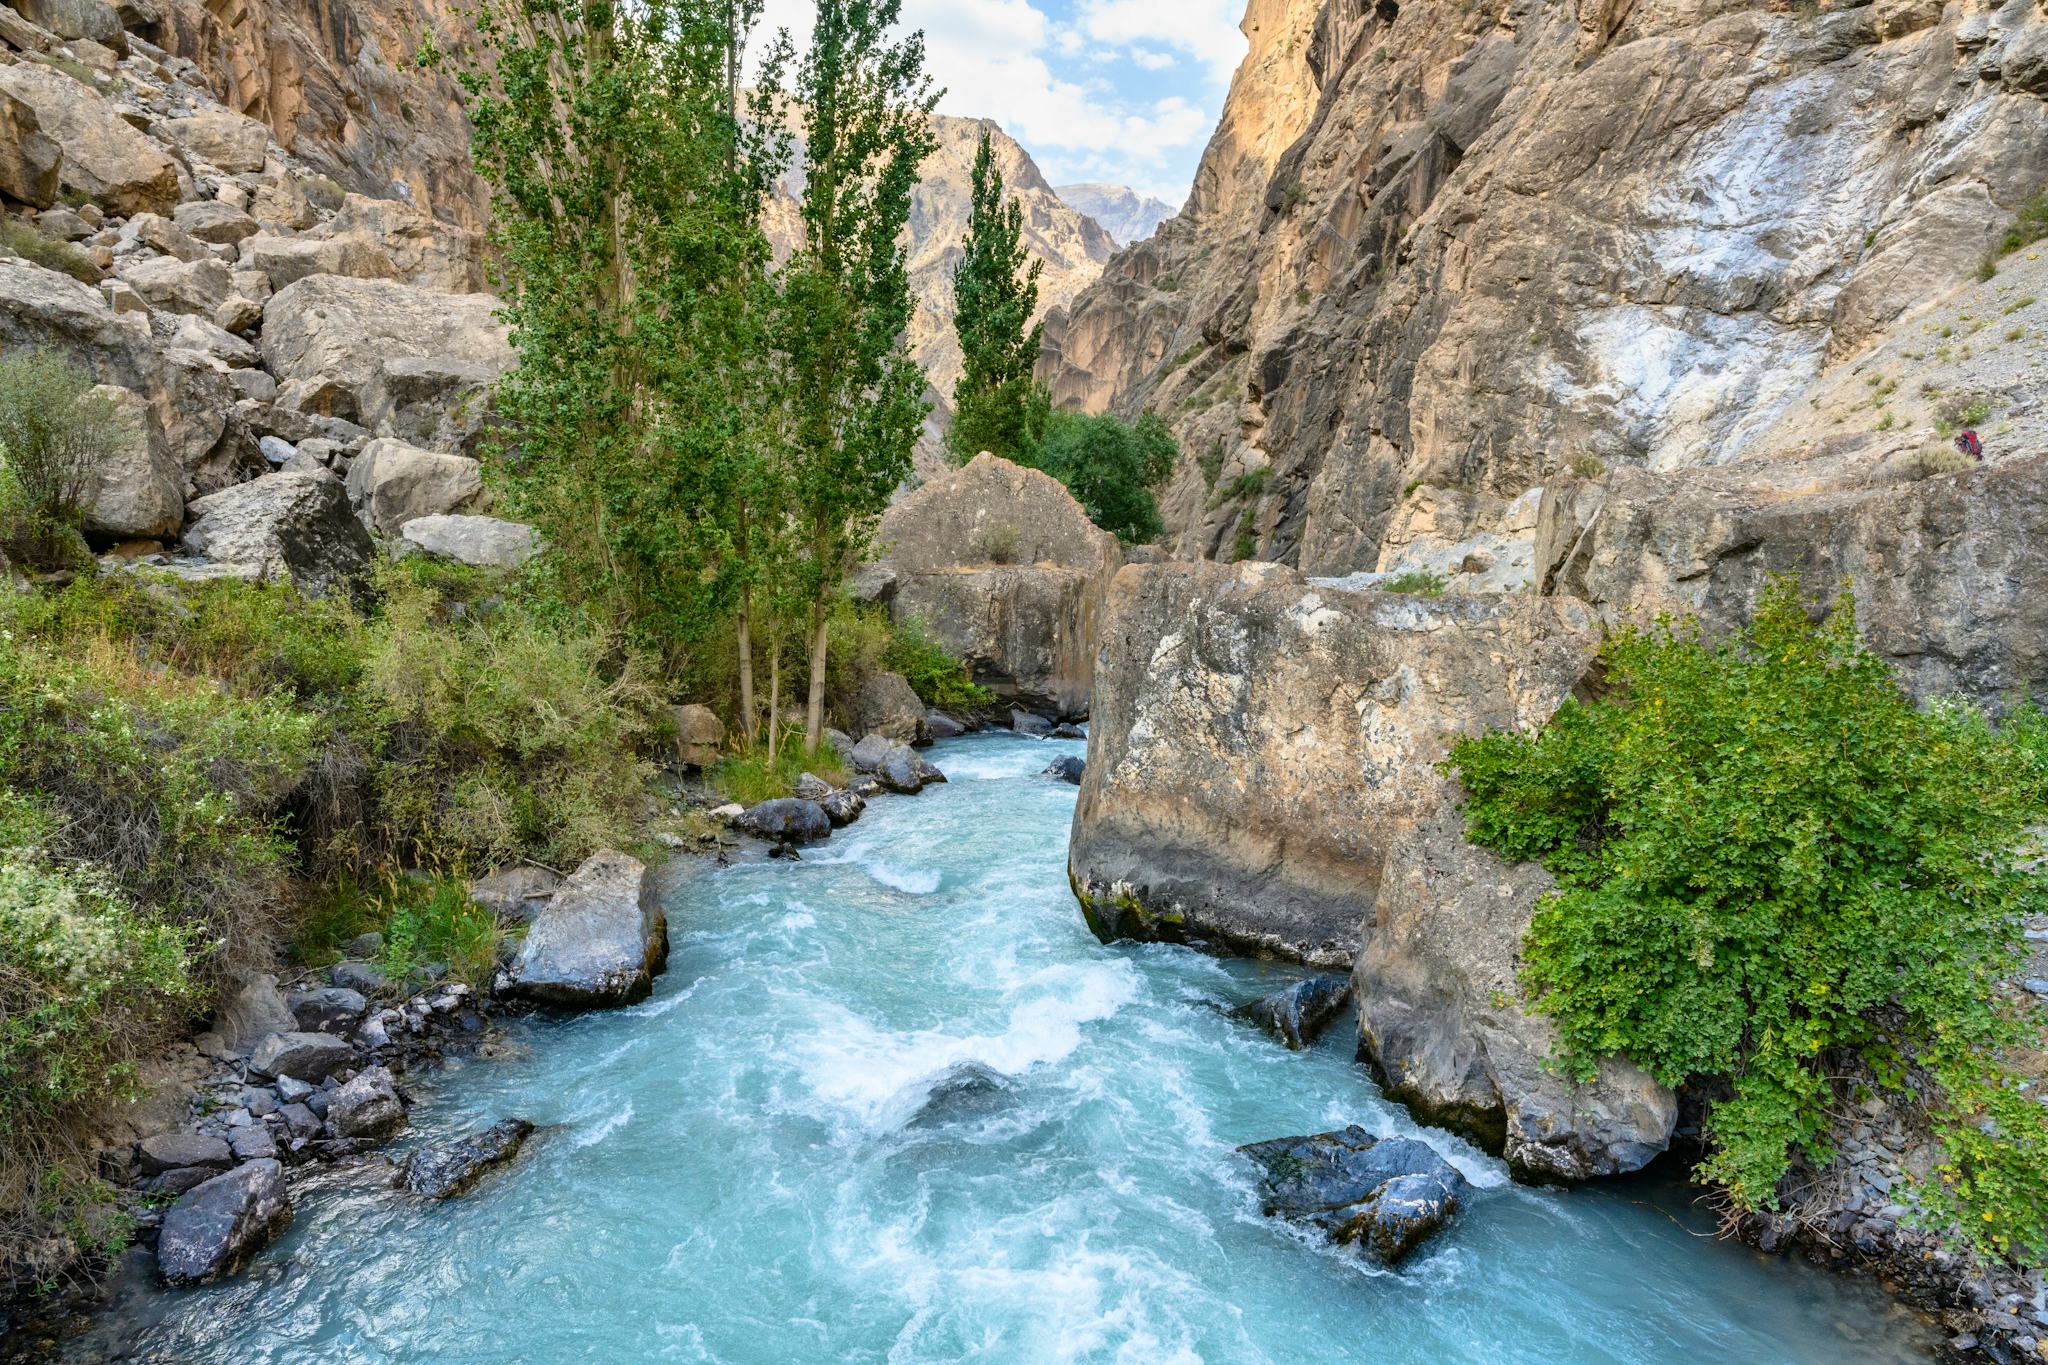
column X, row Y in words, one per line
column 1440, row 255
column 1126, row 215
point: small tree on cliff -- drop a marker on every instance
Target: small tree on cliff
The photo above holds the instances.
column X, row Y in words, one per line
column 855, row 396
column 996, row 405
column 627, row 186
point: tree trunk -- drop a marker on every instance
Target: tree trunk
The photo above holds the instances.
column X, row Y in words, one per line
column 814, row 710
column 774, row 698
column 746, row 647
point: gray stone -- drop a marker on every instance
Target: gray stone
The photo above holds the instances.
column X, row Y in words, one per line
column 253, row 1012
column 601, row 940
column 307, row 1056
column 480, row 542
column 227, row 140
column 332, row 331
column 1297, row 1014
column 300, row 1120
column 867, row 755
column 515, row 895
column 210, row 220
column 1068, row 768
column 175, row 1151
column 216, row 1226
column 359, row 976
column 885, row 705
column 276, row 449
column 390, row 483
column 904, row 771
column 453, row 1168
column 942, row 726
column 367, row 1107
column 1030, row 724
column 292, row 1090
column 842, row 807
column 90, row 19
column 363, row 947
column 253, row 1143
column 327, row 1009
column 1384, row 1195
column 295, row 528
column 788, row 820
column 700, row 735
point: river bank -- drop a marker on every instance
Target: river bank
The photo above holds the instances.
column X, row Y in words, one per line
column 750, row 1164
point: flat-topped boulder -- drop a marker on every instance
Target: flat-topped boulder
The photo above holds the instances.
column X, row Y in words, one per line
column 1003, row 567
column 601, row 940
column 478, row 541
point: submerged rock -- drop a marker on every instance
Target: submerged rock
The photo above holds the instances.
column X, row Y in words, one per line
column 1384, row 1195
column 600, row 941
column 903, row 771
column 217, row 1225
column 968, row 1090
column 1067, row 768
column 452, row 1168
column 787, row 820
column 1299, row 1014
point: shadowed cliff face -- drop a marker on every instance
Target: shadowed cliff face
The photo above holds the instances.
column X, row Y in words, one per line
column 339, row 86
column 1439, row 254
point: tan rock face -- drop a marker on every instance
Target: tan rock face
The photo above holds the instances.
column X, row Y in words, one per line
column 1261, row 779
column 1459, row 249
column 28, row 157
column 104, row 158
column 1005, row 569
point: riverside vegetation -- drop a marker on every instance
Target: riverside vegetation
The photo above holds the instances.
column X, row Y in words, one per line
column 1779, row 880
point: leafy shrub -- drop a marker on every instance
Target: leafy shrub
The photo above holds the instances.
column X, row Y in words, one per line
column 54, row 431
column 1245, row 545
column 937, row 677
column 1766, row 859
column 758, row 775
column 434, row 921
column 1111, row 467
column 1420, row 582
column 1586, row 466
column 999, row 544
column 1249, row 484
column 1212, row 462
column 25, row 241
column 2029, row 225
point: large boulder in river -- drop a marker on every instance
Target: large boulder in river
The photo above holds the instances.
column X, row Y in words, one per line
column 885, row 705
column 1263, row 779
column 600, row 941
column 284, row 527
column 1005, row 570
column 1298, row 1014
column 216, row 1226
column 1385, row 1196
column 786, row 820
column 904, row 771
column 453, row 1168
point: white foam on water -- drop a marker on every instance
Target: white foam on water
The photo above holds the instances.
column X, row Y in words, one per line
column 611, row 1124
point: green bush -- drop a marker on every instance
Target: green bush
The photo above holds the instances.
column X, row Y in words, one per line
column 1768, row 861
column 23, row 240
column 434, row 921
column 1420, row 582
column 757, row 775
column 937, row 677
column 54, row 431
column 1111, row 467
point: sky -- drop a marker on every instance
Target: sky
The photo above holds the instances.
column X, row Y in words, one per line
column 1122, row 91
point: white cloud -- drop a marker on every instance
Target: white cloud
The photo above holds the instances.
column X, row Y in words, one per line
column 995, row 60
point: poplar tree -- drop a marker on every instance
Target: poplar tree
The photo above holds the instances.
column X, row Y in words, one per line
column 997, row 406
column 855, row 396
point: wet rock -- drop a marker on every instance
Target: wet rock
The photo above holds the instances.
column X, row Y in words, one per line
column 968, row 1091
column 453, row 1168
column 942, row 726
column 367, row 1107
column 902, row 770
column 1385, row 1195
column 600, row 941
column 787, row 820
column 175, row 1182
column 1067, row 768
column 1299, row 1013
column 1030, row 724
column 215, row 1227
column 842, row 807
column 327, row 1009
column 307, row 1056
column 1066, row 729
column 162, row 1152
column 515, row 895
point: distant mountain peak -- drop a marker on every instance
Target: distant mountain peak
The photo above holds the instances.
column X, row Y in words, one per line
column 1125, row 215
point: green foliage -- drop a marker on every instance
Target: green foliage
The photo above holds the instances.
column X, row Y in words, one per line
column 54, row 431
column 1212, row 462
column 1247, row 543
column 21, row 239
column 1766, row 859
column 1110, row 467
column 433, row 922
column 997, row 406
column 758, row 775
column 937, row 677
column 2029, row 225
column 1420, row 582
column 1249, row 484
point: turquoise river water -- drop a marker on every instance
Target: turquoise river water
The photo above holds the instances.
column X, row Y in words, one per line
column 736, row 1170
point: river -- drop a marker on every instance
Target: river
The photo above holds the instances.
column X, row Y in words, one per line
column 743, row 1168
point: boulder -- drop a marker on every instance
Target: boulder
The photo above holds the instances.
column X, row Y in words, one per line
column 1004, row 569
column 364, row 977
column 284, row 527
column 309, row 1057
column 367, row 1107
column 286, row 258
column 600, row 941
column 1446, row 1027
column 253, row 1143
column 437, row 401
column 105, row 159
column 885, row 705
column 29, row 158
column 904, row 771
column 210, row 220
column 1030, row 725
column 196, row 287
column 422, row 249
column 786, row 820
column 1298, row 1014
column 1385, row 1196
column 965, row 1092
column 480, row 542
column 867, row 755
column 251, row 1013
column 216, row 1226
column 700, row 735
column 94, row 20
column 333, row 331
column 842, row 807
column 453, row 1168
column 162, row 1152
column 227, row 140
column 390, row 483
column 1067, row 768
column 515, row 895
column 152, row 232
column 327, row 1009
column 138, row 489
column 942, row 726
